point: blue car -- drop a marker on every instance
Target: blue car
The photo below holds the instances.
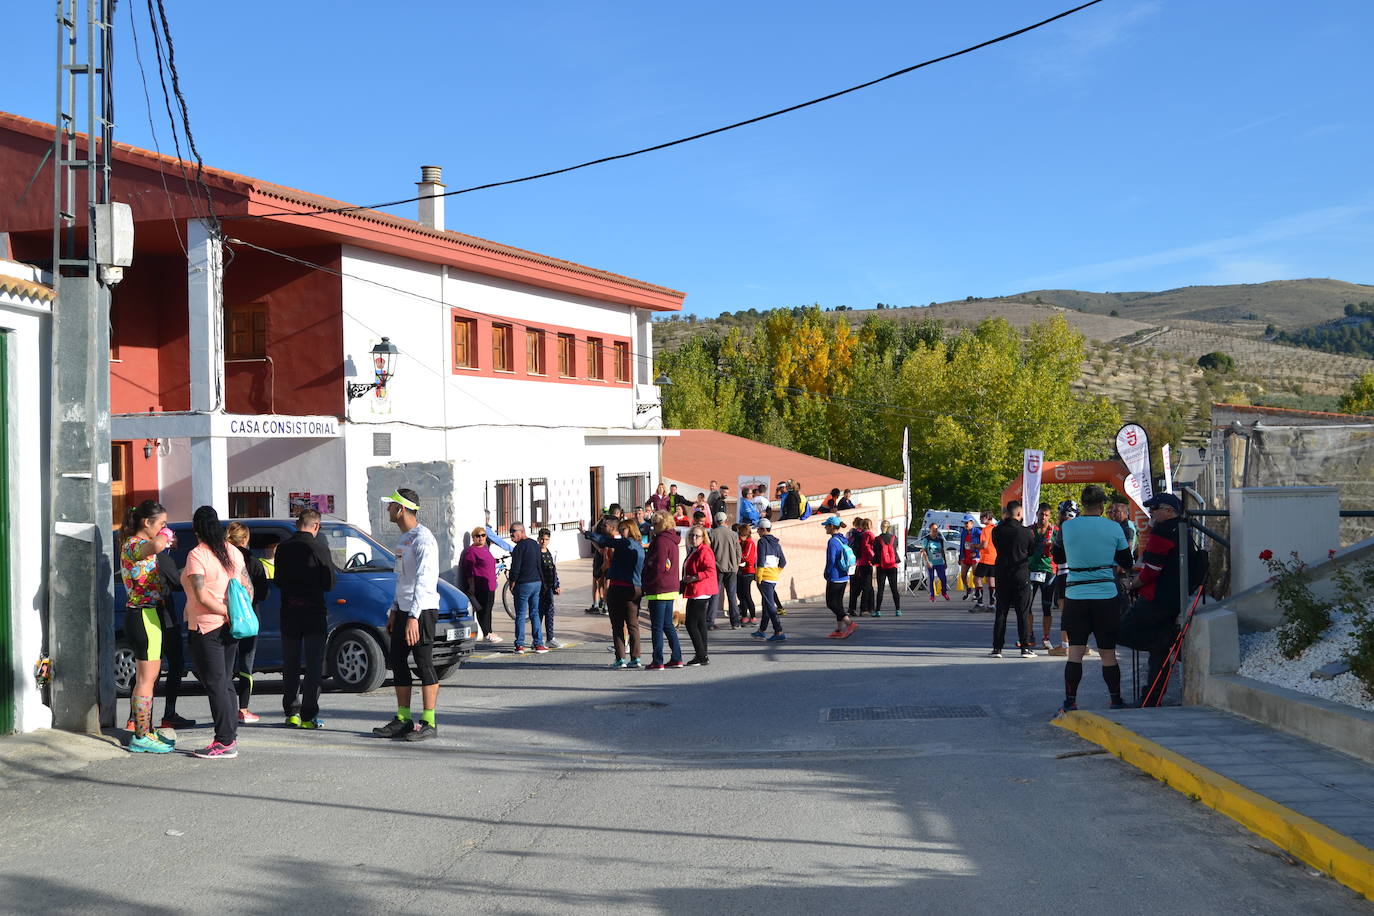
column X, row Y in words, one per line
column 358, row 605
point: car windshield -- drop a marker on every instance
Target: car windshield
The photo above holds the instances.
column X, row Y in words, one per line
column 354, row 551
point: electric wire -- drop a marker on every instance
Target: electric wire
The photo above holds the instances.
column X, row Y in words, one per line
column 688, row 139
column 152, row 129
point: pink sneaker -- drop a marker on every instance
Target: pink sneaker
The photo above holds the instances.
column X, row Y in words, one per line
column 217, row 751
column 248, row 716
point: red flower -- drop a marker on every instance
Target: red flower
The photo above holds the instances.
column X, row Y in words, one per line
column 1266, row 554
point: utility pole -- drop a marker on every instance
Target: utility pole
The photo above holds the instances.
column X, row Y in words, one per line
column 87, row 259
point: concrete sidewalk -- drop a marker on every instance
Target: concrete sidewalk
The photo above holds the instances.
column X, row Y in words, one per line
column 1313, row 802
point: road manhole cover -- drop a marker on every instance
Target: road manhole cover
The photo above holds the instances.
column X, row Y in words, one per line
column 888, row 713
column 631, row 705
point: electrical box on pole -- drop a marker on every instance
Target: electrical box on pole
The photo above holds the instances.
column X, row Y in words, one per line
column 92, row 242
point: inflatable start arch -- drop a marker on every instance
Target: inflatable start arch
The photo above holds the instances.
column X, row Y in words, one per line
column 1113, row 473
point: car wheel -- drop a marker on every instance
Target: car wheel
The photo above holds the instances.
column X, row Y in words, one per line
column 356, row 661
column 443, row 671
column 125, row 668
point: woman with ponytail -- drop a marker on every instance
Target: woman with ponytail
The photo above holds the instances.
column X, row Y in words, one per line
column 209, row 568
column 145, row 535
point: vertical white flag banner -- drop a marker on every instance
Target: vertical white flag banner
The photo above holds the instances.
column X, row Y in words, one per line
column 1030, row 485
column 1133, row 445
column 1168, row 469
column 906, row 476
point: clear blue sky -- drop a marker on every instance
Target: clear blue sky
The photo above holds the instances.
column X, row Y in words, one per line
column 1139, row 145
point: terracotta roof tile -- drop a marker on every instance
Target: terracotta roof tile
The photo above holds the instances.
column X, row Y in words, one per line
column 698, row 456
column 26, row 288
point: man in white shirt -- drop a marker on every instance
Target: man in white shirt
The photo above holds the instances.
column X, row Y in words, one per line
column 414, row 614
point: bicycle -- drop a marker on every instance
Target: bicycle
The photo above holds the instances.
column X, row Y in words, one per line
column 507, row 587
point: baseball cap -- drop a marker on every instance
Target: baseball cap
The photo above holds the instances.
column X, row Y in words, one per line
column 765, row 524
column 1165, row 499
column 720, row 516
column 833, row 521
column 970, row 518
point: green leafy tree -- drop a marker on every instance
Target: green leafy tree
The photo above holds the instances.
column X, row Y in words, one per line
column 1359, row 399
column 1217, row 361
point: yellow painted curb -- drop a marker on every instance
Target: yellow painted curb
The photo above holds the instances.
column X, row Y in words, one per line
column 1316, row 844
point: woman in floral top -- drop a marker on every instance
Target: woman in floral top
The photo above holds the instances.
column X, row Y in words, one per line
column 145, row 614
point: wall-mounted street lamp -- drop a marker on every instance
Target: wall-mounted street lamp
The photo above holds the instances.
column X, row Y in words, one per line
column 383, row 365
column 148, row 447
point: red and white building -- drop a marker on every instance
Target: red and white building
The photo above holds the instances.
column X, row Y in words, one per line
column 523, row 385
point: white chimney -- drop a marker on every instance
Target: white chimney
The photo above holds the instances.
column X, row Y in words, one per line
column 431, row 185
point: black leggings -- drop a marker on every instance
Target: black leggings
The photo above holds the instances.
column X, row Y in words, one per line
column 743, row 588
column 834, row 599
column 482, row 599
column 423, row 651
column 861, row 589
column 697, row 611
column 888, row 577
column 1046, row 590
column 243, row 670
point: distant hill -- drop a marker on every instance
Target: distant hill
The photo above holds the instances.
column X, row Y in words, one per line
column 1289, row 304
column 1353, row 333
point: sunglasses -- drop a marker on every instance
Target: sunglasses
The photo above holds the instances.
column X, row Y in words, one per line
column 480, row 534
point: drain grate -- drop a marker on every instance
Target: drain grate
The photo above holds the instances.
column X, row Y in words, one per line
column 888, row 713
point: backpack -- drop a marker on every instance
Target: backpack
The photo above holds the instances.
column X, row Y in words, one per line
column 887, row 554
column 847, row 558
column 243, row 622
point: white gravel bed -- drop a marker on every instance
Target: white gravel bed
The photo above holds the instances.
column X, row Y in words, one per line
column 1260, row 659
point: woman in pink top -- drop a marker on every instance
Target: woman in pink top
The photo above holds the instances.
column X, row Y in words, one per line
column 209, row 568
column 699, row 583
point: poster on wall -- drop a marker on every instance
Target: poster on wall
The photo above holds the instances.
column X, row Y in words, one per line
column 322, row 503
column 296, row 502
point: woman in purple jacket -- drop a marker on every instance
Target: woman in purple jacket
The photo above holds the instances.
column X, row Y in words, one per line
column 477, row 577
column 660, row 583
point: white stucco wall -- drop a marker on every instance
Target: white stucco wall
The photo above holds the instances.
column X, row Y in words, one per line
column 26, row 322
column 489, row 429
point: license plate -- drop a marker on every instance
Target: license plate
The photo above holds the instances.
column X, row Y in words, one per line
column 454, row 635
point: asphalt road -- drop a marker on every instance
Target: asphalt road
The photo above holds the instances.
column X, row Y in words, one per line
column 558, row 785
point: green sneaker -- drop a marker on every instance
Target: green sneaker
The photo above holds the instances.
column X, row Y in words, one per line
column 316, row 722
column 618, row 663
column 293, row 721
column 148, row 744
column 170, row 742
column 634, row 663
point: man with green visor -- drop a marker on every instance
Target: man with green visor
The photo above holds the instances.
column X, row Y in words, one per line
column 414, row 613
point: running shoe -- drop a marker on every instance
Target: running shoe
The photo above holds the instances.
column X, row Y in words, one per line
column 1069, row 705
column 994, row 654
column 424, row 732
column 493, row 639
column 1057, row 650
column 966, row 597
column 898, row 613
column 759, row 634
column 396, row 727
column 693, row 663
column 172, row 720
column 170, row 742
column 946, row 598
column 316, row 722
column 247, row 715
column 1027, row 653
column 1117, row 703
column 932, row 599
column 592, row 610
column 217, row 751
column 834, row 635
column 635, row 663
column 520, row 650
column 147, row 744
column 654, row 666
column 677, row 663
column 553, row 643
column 877, row 613
column 1046, row 644
column 777, row 637
column 541, row 650
column 295, row 722
column 618, row 664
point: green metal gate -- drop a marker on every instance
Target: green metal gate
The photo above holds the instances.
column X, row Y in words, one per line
column 6, row 631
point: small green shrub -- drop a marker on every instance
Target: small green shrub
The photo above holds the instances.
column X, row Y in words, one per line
column 1304, row 617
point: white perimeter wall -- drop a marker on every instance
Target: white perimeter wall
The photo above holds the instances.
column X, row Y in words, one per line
column 26, row 477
